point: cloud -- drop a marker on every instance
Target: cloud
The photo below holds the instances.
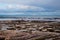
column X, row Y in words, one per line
column 14, row 7
column 47, row 4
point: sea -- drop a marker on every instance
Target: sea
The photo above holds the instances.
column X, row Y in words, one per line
column 45, row 16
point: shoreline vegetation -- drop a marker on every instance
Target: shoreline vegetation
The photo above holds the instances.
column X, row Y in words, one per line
column 29, row 30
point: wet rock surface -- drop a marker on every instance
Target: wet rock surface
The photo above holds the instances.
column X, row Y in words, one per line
column 29, row 30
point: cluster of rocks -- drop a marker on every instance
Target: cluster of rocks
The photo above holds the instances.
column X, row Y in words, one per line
column 29, row 30
column 14, row 35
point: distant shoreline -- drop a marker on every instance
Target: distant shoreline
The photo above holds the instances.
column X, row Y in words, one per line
column 37, row 19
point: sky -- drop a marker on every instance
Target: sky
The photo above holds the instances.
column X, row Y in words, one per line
column 29, row 5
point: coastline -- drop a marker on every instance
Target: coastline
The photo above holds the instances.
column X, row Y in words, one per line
column 31, row 19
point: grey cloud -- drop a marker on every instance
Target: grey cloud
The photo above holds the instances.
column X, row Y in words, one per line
column 48, row 4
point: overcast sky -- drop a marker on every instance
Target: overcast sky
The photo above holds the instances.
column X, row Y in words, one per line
column 30, row 5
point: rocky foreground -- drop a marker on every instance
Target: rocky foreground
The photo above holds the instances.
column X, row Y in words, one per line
column 29, row 30
column 14, row 35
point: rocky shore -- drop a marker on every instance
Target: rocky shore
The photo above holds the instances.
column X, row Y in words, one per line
column 29, row 30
